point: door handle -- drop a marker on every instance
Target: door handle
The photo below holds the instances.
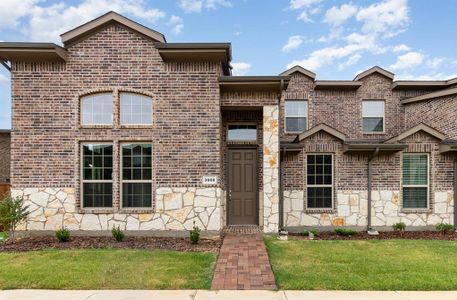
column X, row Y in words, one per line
column 230, row 195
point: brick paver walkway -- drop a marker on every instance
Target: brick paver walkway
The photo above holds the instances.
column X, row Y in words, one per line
column 243, row 264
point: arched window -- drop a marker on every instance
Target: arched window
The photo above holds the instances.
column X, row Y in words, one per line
column 136, row 109
column 97, row 109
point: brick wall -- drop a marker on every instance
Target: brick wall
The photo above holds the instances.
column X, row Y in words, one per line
column 47, row 132
column 5, row 157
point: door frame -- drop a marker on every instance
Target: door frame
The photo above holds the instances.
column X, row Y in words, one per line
column 227, row 179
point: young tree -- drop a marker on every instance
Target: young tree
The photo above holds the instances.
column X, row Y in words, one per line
column 12, row 212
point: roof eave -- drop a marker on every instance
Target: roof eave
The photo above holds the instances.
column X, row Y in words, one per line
column 360, row 148
column 335, row 84
column 32, row 52
column 442, row 93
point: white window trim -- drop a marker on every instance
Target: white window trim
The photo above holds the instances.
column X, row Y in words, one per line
column 320, row 185
column 135, row 124
column 81, row 98
column 82, row 180
column 122, row 181
column 383, row 117
column 415, row 185
column 306, row 116
column 242, row 141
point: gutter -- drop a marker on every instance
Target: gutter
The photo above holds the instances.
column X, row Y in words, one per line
column 370, row 167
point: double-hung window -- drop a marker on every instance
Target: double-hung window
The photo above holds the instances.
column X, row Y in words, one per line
column 97, row 109
column 136, row 175
column 97, row 179
column 296, row 113
column 415, row 181
column 373, row 116
column 319, row 181
column 136, row 109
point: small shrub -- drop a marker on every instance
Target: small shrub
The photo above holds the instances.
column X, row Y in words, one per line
column 345, row 232
column 63, row 235
column 3, row 237
column 195, row 234
column 399, row 226
column 315, row 232
column 12, row 212
column 444, row 227
column 118, row 234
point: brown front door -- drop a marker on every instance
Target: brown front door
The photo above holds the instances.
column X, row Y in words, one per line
column 242, row 187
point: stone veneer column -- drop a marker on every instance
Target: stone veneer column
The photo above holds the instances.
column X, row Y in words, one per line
column 270, row 168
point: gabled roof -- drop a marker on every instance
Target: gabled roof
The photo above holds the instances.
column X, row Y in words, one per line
column 442, row 93
column 108, row 18
column 300, row 70
column 12, row 51
column 321, row 127
column 375, row 69
column 421, row 127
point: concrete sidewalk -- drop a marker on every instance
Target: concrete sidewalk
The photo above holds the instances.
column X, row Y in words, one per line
column 225, row 295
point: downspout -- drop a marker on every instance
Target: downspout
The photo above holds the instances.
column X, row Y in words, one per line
column 370, row 167
column 281, row 157
column 455, row 193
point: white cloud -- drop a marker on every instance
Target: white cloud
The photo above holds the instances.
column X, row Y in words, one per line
column 435, row 62
column 192, row 6
column 388, row 17
column 12, row 10
column 294, row 42
column 337, row 16
column 46, row 23
column 303, row 16
column 351, row 61
column 308, row 7
column 299, row 4
column 401, row 48
column 176, row 23
column 408, row 61
column 240, row 68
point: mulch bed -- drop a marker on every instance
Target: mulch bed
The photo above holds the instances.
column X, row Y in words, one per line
column 79, row 242
column 407, row 235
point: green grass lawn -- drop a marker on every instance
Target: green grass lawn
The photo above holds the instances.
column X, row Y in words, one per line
column 364, row 265
column 106, row 269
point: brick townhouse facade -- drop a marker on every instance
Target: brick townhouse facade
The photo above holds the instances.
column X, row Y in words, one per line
column 120, row 127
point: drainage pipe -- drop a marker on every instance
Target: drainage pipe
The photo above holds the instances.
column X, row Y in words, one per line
column 370, row 167
column 455, row 193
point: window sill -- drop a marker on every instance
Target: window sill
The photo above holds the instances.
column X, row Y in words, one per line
column 136, row 211
column 96, row 127
column 415, row 210
column 320, row 211
column 149, row 126
column 96, row 210
column 374, row 133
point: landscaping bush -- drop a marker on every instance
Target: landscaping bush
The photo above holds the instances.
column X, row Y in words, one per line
column 313, row 231
column 63, row 235
column 3, row 236
column 399, row 226
column 444, row 227
column 195, row 234
column 345, row 232
column 118, row 234
column 12, row 212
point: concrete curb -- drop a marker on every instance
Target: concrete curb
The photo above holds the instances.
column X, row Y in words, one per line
column 224, row 295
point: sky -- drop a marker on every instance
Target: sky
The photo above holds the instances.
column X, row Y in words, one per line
column 336, row 39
